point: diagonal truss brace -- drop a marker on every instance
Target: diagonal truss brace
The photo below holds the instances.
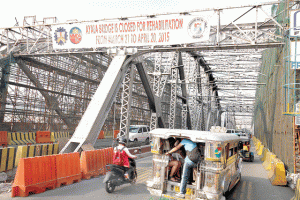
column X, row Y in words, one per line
column 94, row 117
column 154, row 101
column 126, row 103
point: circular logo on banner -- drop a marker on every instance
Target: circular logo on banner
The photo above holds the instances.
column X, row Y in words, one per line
column 218, row 152
column 197, row 27
column 60, row 36
column 75, row 35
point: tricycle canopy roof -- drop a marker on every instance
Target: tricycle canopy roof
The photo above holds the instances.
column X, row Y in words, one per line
column 245, row 139
column 194, row 135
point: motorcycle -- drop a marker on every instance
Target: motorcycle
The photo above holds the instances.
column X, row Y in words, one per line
column 116, row 176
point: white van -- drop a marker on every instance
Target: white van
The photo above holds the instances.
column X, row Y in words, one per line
column 139, row 133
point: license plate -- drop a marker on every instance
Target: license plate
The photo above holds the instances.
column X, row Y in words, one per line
column 247, row 155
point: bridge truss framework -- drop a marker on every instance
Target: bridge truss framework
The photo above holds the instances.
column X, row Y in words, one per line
column 184, row 86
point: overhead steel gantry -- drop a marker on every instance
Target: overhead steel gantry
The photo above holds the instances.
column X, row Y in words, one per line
column 186, row 86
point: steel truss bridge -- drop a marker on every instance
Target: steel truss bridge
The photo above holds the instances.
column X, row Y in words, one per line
column 188, row 86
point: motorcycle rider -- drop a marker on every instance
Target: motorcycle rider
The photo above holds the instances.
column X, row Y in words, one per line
column 126, row 155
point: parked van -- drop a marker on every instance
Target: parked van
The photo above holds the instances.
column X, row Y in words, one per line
column 217, row 173
column 139, row 133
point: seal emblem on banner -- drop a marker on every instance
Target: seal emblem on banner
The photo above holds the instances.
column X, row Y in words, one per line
column 197, row 27
column 75, row 35
column 60, row 36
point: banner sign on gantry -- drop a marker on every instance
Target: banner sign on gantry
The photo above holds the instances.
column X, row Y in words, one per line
column 167, row 30
column 295, row 23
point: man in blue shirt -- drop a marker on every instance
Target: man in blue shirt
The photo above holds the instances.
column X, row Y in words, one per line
column 188, row 164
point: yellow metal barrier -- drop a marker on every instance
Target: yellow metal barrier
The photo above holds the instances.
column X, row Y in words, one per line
column 277, row 173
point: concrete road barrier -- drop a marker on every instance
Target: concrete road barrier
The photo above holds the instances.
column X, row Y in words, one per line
column 257, row 146
column 264, row 154
column 8, row 155
column 260, row 150
column 267, row 163
column 277, row 173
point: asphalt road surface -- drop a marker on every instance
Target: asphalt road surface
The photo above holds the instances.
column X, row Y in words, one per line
column 253, row 186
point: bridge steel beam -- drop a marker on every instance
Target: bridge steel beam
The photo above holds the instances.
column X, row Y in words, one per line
column 186, row 117
column 88, row 129
column 154, row 101
column 51, row 101
column 47, row 67
column 4, row 79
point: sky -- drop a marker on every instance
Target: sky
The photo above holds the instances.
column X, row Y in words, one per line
column 92, row 10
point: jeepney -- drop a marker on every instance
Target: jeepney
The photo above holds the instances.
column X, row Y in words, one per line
column 217, row 173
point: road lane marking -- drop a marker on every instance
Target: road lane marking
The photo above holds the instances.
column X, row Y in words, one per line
column 242, row 196
column 249, row 190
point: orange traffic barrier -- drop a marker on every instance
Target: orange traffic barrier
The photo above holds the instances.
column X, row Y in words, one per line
column 106, row 156
column 93, row 163
column 43, row 137
column 101, row 135
column 102, row 163
column 89, row 163
column 3, row 138
column 68, row 168
column 34, row 175
column 116, row 132
column 110, row 155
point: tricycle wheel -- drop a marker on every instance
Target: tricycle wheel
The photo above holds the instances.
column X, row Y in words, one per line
column 251, row 158
column 109, row 187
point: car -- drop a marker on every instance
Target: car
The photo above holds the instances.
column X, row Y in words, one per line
column 139, row 133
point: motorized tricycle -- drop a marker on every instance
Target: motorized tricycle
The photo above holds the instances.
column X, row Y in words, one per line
column 245, row 153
